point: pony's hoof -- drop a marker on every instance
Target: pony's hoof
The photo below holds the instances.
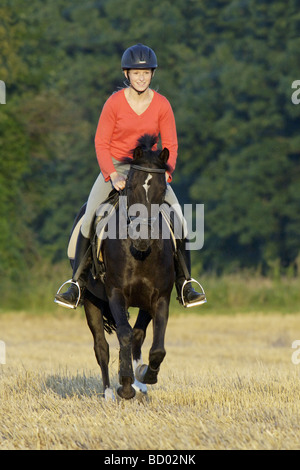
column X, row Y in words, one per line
column 146, row 375
column 126, row 390
column 109, row 395
column 140, row 373
column 126, row 393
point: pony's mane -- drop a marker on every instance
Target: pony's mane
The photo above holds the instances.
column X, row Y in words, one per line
column 147, row 142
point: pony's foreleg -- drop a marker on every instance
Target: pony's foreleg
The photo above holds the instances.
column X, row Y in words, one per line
column 147, row 374
column 101, row 347
column 126, row 376
column 124, row 334
column 139, row 334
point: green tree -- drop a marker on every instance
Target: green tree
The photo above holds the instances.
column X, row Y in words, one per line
column 226, row 66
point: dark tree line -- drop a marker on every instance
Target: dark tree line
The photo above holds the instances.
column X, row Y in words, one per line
column 226, row 66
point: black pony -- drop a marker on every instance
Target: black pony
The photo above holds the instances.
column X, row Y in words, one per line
column 139, row 273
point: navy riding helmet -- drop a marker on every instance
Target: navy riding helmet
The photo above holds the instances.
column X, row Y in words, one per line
column 139, row 57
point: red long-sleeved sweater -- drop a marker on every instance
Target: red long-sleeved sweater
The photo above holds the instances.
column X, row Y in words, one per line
column 119, row 128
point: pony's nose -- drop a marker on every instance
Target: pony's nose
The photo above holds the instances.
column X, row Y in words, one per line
column 141, row 244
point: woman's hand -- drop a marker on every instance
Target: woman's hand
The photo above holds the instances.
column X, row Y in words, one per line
column 118, row 181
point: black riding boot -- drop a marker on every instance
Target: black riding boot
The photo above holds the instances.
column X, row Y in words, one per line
column 186, row 296
column 71, row 297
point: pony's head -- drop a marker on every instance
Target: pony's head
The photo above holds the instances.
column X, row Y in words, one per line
column 146, row 183
column 145, row 188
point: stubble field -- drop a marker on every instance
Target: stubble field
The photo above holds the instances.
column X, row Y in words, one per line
column 227, row 382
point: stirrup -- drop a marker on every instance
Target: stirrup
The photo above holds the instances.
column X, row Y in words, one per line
column 193, row 304
column 65, row 304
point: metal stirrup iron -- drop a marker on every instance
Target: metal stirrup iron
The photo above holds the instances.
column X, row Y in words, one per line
column 192, row 304
column 189, row 279
column 65, row 304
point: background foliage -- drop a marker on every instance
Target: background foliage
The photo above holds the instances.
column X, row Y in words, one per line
column 227, row 67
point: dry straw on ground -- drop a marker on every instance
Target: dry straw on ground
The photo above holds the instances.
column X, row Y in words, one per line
column 227, row 382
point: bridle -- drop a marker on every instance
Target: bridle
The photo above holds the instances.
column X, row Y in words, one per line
column 143, row 220
column 148, row 170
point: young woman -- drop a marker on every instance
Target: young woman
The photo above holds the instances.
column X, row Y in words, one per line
column 126, row 116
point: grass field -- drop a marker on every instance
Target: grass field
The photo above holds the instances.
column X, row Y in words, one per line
column 227, row 382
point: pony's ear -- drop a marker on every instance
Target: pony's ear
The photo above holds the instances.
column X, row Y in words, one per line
column 164, row 155
column 138, row 153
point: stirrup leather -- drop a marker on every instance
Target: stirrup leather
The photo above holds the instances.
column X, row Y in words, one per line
column 193, row 304
column 65, row 304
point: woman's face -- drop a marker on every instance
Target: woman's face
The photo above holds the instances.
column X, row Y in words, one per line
column 140, row 79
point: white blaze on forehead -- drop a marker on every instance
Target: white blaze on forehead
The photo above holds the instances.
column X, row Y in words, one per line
column 146, row 185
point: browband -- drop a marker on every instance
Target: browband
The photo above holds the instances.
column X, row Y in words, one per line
column 148, row 170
